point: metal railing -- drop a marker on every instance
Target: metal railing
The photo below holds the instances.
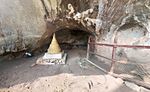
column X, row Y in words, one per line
column 114, row 46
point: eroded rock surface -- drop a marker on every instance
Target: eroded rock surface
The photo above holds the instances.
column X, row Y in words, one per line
column 21, row 24
column 125, row 23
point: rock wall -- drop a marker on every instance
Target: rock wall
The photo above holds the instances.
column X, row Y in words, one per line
column 57, row 17
column 125, row 22
column 28, row 24
column 21, row 24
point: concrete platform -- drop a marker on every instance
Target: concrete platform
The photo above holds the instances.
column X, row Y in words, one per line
column 53, row 56
column 53, row 61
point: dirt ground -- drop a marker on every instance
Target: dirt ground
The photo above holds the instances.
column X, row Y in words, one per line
column 75, row 76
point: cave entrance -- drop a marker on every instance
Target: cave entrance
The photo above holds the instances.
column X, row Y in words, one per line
column 72, row 38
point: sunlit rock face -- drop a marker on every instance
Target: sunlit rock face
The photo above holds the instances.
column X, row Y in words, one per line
column 116, row 13
column 127, row 23
column 124, row 22
column 21, row 24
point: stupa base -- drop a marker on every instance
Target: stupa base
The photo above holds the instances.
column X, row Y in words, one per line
column 52, row 61
column 53, row 56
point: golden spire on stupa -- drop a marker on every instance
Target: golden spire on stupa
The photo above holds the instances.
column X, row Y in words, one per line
column 54, row 47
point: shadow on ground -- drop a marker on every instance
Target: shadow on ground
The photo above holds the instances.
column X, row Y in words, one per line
column 20, row 70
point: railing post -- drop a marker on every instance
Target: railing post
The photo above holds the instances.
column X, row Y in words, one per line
column 88, row 48
column 113, row 61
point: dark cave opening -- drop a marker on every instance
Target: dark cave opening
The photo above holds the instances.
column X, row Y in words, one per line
column 70, row 39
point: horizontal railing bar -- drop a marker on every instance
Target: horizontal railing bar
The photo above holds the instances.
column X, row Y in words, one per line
column 115, row 45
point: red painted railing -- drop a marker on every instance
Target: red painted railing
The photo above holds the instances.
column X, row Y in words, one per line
column 114, row 46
